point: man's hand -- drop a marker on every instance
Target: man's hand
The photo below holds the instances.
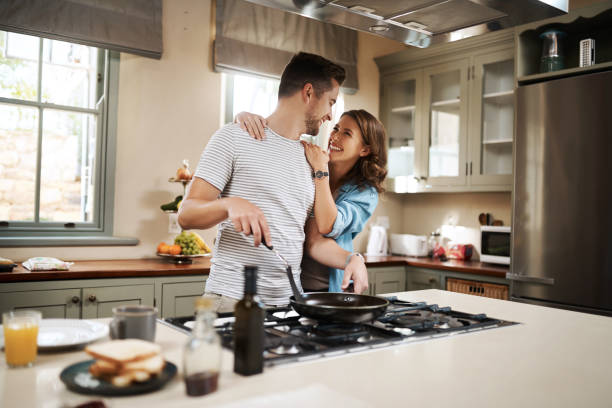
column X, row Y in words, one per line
column 356, row 270
column 248, row 219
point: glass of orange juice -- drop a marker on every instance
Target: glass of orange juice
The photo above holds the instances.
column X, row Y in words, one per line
column 20, row 335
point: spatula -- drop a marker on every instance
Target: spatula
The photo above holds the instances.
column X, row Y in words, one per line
column 294, row 288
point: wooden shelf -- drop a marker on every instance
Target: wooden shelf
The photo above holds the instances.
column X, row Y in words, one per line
column 593, row 21
column 546, row 76
column 446, row 103
column 499, row 98
column 497, row 142
column 403, row 109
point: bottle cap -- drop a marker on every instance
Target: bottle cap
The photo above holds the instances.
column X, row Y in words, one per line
column 204, row 302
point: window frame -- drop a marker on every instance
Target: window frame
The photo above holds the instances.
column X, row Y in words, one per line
column 100, row 230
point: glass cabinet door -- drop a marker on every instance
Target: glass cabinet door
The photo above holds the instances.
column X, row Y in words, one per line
column 445, row 88
column 493, row 125
column 399, row 106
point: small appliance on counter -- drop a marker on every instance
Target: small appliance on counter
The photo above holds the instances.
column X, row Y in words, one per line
column 553, row 55
column 377, row 243
column 409, row 245
column 495, row 244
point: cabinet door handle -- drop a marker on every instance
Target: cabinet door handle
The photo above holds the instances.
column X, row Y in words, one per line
column 470, row 168
column 92, row 298
column 466, row 168
column 75, row 299
column 432, row 280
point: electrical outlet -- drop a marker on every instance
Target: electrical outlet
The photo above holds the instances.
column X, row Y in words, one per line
column 173, row 225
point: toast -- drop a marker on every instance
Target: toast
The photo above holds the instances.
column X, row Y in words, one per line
column 122, row 362
column 123, row 351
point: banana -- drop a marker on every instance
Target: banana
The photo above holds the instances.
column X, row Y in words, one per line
column 201, row 243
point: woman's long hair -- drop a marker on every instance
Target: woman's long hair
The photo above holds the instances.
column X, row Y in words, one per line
column 370, row 169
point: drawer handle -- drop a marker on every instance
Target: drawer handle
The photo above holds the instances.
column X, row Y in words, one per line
column 432, row 280
column 75, row 299
column 92, row 298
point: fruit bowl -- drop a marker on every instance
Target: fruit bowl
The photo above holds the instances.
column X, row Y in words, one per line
column 183, row 259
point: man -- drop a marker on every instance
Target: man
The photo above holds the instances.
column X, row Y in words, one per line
column 264, row 190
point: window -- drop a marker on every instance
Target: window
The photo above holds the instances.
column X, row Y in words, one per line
column 259, row 95
column 57, row 135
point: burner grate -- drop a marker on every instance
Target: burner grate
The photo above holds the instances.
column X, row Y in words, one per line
column 290, row 338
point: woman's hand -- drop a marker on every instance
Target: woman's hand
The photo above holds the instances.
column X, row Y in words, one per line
column 317, row 158
column 252, row 123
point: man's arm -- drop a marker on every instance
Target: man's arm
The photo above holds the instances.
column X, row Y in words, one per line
column 201, row 209
column 327, row 252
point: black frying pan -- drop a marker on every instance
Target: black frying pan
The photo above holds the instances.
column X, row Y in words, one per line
column 338, row 307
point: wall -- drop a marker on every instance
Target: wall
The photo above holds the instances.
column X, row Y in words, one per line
column 367, row 98
column 419, row 213
column 424, row 213
column 168, row 109
column 576, row 4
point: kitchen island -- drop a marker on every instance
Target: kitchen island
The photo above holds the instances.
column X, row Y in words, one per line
column 553, row 358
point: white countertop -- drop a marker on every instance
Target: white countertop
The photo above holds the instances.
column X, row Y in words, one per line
column 555, row 358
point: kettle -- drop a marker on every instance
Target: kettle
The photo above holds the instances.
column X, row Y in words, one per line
column 377, row 243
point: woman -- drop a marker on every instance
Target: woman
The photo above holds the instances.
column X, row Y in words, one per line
column 348, row 178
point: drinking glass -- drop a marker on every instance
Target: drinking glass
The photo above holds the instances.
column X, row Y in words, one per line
column 20, row 337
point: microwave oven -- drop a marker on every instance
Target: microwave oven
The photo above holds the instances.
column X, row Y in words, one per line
column 495, row 244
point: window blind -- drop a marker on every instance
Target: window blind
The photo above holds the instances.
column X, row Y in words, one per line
column 133, row 26
column 254, row 39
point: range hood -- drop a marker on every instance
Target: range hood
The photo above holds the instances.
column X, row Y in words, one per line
column 421, row 23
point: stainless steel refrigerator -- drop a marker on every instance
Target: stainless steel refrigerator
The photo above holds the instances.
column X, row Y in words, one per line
column 561, row 253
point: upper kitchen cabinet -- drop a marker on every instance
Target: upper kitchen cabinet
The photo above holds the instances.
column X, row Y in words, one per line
column 445, row 123
column 492, row 125
column 400, row 117
column 461, row 123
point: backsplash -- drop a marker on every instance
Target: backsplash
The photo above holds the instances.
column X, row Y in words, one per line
column 456, row 215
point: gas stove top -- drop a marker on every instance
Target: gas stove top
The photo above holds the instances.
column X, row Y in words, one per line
column 290, row 337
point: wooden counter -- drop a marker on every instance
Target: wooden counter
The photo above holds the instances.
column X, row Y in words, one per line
column 471, row 267
column 121, row 268
column 124, row 268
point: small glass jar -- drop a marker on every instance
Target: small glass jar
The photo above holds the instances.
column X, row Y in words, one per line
column 202, row 352
column 553, row 56
column 433, row 243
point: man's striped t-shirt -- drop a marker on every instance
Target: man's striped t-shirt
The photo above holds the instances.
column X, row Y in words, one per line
column 274, row 175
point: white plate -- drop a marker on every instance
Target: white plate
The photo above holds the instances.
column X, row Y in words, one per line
column 58, row 333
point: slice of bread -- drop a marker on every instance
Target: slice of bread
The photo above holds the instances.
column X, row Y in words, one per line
column 151, row 365
column 126, row 379
column 123, row 351
column 104, row 368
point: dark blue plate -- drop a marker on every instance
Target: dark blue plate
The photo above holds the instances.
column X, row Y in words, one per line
column 78, row 379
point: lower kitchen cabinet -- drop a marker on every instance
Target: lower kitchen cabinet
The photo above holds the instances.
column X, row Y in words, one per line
column 178, row 295
column 420, row 278
column 74, row 299
column 96, row 298
column 53, row 303
column 387, row 280
column 99, row 301
column 478, row 285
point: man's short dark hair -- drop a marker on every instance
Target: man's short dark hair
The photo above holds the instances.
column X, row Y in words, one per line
column 307, row 68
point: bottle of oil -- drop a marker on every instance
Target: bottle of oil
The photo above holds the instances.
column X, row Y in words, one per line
column 202, row 353
column 248, row 328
